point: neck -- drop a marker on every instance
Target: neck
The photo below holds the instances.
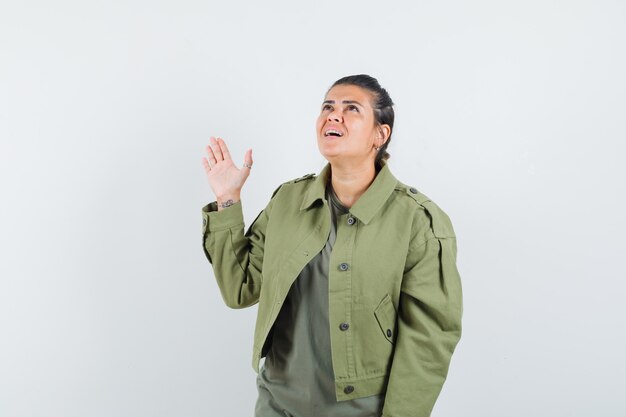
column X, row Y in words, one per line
column 350, row 182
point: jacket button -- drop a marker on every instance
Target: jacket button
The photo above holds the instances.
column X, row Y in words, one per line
column 413, row 190
column 344, row 326
column 343, row 266
column 351, row 221
column 388, row 332
column 204, row 221
column 348, row 389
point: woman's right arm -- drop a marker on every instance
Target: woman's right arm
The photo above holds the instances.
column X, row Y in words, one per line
column 237, row 258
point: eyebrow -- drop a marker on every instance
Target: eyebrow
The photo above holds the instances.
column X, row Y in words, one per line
column 344, row 102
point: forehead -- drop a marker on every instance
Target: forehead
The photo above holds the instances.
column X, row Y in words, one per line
column 349, row 92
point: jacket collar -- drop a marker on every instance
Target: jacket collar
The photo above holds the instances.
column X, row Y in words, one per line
column 368, row 203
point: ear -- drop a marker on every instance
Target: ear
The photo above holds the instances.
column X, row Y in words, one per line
column 384, row 131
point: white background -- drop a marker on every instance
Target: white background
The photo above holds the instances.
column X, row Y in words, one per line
column 509, row 115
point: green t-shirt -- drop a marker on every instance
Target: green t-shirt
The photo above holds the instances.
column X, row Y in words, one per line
column 297, row 376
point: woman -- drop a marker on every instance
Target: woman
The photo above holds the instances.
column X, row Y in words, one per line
column 360, row 300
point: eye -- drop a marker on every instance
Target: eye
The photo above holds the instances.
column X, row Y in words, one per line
column 353, row 107
column 325, row 106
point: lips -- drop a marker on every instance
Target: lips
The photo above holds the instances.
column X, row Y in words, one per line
column 333, row 131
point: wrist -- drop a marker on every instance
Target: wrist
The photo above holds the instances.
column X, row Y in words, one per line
column 226, row 200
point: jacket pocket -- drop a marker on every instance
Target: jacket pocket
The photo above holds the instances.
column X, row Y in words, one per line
column 385, row 314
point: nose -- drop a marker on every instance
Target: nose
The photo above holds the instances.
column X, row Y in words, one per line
column 334, row 115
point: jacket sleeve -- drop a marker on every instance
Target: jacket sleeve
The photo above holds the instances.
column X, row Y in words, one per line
column 236, row 257
column 429, row 323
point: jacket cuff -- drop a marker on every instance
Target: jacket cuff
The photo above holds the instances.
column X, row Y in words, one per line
column 213, row 220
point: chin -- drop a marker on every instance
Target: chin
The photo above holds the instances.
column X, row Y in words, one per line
column 328, row 151
column 332, row 156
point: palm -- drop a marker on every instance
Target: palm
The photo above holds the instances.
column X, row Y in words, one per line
column 224, row 177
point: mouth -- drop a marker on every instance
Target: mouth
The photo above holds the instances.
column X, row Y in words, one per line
column 333, row 133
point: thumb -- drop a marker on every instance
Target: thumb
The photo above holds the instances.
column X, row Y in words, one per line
column 247, row 160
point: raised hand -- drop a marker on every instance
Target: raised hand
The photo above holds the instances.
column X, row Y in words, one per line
column 225, row 179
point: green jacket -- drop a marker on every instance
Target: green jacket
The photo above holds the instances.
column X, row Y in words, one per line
column 395, row 298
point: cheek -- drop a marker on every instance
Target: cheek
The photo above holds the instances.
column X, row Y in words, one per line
column 362, row 130
column 319, row 122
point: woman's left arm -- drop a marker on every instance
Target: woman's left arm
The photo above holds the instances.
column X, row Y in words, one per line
column 429, row 322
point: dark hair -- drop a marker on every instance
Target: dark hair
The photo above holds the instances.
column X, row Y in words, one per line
column 382, row 104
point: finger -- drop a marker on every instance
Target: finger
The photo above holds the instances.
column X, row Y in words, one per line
column 207, row 167
column 216, row 150
column 224, row 148
column 247, row 159
column 209, row 151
